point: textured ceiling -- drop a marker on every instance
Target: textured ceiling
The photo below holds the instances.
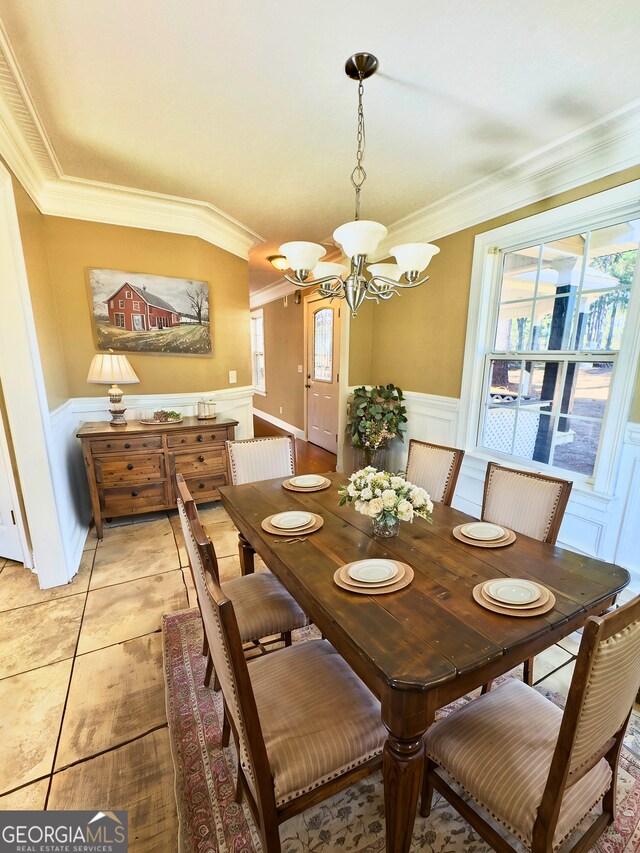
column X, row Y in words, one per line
column 246, row 105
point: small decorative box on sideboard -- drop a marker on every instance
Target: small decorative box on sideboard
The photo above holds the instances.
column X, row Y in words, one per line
column 130, row 468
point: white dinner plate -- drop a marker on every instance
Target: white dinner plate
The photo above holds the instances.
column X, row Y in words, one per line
column 512, row 591
column 373, row 571
column 482, row 530
column 291, row 520
column 307, row 481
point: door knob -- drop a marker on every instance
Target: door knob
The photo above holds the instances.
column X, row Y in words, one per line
column 307, row 385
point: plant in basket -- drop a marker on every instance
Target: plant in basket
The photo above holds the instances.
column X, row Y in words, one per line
column 376, row 415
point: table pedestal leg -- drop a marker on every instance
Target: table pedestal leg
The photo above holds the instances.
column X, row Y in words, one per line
column 403, row 766
column 407, row 716
column 246, row 555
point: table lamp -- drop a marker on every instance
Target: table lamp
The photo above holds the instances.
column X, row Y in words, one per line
column 111, row 369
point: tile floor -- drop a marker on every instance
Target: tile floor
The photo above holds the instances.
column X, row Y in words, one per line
column 83, row 722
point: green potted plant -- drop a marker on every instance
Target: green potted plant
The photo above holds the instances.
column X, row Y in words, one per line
column 376, row 415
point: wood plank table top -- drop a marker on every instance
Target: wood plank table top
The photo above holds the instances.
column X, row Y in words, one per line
column 421, row 647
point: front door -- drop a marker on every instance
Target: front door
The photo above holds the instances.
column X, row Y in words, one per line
column 323, row 365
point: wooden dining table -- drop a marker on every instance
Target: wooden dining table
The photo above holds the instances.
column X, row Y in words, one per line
column 430, row 643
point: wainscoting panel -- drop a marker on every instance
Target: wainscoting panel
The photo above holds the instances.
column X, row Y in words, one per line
column 603, row 526
column 70, row 481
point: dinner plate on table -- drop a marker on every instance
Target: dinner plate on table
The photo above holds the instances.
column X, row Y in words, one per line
column 512, row 592
column 294, row 520
column 373, row 571
column 308, row 481
column 484, row 531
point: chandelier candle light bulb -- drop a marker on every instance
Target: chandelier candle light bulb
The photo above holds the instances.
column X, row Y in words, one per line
column 359, row 239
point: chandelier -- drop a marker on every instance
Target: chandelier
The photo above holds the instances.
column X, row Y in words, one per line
column 359, row 238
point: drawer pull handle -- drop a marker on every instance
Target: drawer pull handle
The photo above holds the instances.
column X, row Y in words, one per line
column 199, row 438
column 109, row 445
column 134, row 494
column 129, row 467
column 201, row 486
column 127, row 446
column 200, row 458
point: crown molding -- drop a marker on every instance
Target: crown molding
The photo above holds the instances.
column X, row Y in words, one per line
column 602, row 148
column 75, row 198
column 30, row 156
column 278, row 290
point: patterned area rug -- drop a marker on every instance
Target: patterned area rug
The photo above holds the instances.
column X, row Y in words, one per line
column 353, row 820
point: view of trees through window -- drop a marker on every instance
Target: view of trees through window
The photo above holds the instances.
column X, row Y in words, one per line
column 561, row 316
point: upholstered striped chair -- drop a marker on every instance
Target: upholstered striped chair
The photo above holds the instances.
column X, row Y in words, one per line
column 529, row 503
column 538, row 771
column 254, row 459
column 263, row 606
column 302, row 720
column 434, row 468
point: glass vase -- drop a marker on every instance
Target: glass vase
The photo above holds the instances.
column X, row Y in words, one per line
column 385, row 526
column 363, row 456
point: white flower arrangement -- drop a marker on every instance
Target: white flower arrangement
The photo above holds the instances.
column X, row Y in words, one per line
column 380, row 494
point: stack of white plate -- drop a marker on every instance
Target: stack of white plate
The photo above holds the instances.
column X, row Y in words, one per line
column 294, row 521
column 308, row 481
column 373, row 573
column 484, row 531
column 515, row 593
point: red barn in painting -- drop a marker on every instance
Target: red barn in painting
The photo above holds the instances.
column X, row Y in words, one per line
column 137, row 310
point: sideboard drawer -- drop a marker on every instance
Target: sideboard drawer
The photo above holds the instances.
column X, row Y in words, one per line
column 204, row 436
column 205, row 488
column 130, row 499
column 117, row 445
column 206, row 460
column 135, row 468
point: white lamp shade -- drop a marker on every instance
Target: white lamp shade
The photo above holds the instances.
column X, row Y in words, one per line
column 360, row 237
column 301, row 255
column 324, row 268
column 392, row 271
column 107, row 368
column 414, row 257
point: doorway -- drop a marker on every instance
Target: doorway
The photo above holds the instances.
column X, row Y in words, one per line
column 10, row 539
column 322, row 324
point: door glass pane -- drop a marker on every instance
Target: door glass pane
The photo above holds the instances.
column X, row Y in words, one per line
column 323, row 345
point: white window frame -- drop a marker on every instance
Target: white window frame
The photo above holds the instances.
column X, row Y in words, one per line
column 262, row 390
column 593, row 212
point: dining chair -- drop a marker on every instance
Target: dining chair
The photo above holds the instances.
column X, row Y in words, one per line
column 264, row 609
column 534, row 769
column 527, row 502
column 304, row 724
column 434, row 468
column 254, row 459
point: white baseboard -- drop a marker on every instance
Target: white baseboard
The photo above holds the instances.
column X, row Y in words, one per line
column 299, row 433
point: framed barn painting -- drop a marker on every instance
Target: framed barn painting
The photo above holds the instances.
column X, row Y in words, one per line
column 134, row 312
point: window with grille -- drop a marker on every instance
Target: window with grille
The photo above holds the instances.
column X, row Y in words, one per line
column 257, row 350
column 556, row 333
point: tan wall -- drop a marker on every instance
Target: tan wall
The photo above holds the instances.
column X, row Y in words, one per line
column 419, row 336
column 43, row 301
column 284, row 351
column 75, row 245
column 360, row 331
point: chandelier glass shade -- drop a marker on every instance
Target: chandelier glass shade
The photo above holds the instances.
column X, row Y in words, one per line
column 358, row 239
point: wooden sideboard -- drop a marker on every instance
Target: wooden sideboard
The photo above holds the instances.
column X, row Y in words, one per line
column 130, row 468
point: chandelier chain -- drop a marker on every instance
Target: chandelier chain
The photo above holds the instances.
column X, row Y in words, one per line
column 359, row 176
